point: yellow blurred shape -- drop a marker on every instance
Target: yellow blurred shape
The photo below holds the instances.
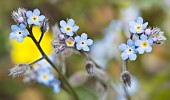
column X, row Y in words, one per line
column 27, row 51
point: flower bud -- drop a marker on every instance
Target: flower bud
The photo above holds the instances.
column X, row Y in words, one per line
column 90, row 67
column 58, row 49
column 126, row 78
column 19, row 15
column 55, row 43
column 148, row 31
column 61, row 37
column 19, row 70
column 45, row 25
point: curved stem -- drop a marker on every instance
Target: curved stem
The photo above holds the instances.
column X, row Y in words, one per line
column 50, row 62
column 36, row 61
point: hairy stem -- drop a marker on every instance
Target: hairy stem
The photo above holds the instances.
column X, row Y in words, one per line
column 64, row 79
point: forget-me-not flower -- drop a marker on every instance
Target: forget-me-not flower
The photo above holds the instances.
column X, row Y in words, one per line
column 70, row 42
column 18, row 33
column 45, row 77
column 68, row 28
column 34, row 17
column 144, row 44
column 56, row 86
column 83, row 43
column 137, row 26
column 129, row 50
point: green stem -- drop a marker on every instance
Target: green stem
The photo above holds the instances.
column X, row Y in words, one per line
column 36, row 61
column 49, row 61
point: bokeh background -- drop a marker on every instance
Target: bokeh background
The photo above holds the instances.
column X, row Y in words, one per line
column 105, row 21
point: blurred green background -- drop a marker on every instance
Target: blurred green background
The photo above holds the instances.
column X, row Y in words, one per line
column 94, row 17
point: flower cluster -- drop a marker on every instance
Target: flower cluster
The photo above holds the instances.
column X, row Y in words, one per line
column 69, row 39
column 42, row 73
column 25, row 19
column 147, row 37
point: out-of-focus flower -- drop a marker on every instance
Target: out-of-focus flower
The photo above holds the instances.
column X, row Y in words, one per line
column 157, row 35
column 68, row 28
column 45, row 77
column 20, row 52
column 83, row 43
column 19, row 70
column 129, row 50
column 19, row 16
column 18, row 33
column 144, row 44
column 137, row 26
column 61, row 37
column 70, row 42
column 34, row 17
column 55, row 84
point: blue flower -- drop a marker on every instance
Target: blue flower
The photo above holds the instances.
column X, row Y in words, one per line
column 18, row 33
column 34, row 17
column 82, row 42
column 56, row 86
column 144, row 44
column 137, row 26
column 45, row 77
column 129, row 50
column 68, row 28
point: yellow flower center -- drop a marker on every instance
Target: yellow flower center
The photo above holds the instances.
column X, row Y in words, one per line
column 68, row 28
column 44, row 76
column 138, row 27
column 34, row 18
column 144, row 44
column 69, row 43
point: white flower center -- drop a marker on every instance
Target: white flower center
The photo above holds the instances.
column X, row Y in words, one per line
column 83, row 43
column 129, row 50
column 19, row 33
column 68, row 28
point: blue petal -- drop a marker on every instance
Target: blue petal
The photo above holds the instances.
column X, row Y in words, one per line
column 29, row 14
column 145, row 25
column 22, row 26
column 41, row 18
column 138, row 42
column 124, row 56
column 13, row 35
column 63, row 23
column 84, row 36
column 140, row 31
column 77, row 39
column 71, row 22
column 132, row 30
column 89, row 42
column 150, row 41
column 132, row 56
column 132, row 23
column 143, row 37
column 36, row 23
column 56, row 89
column 130, row 43
column 141, row 50
column 75, row 28
column 139, row 20
column 25, row 33
column 69, row 33
column 20, row 39
column 123, row 47
column 62, row 30
column 29, row 21
column 36, row 12
column 149, row 49
column 86, row 48
column 14, row 28
column 79, row 47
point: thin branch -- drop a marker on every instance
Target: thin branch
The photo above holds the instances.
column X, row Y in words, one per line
column 42, row 34
column 36, row 61
column 51, row 63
